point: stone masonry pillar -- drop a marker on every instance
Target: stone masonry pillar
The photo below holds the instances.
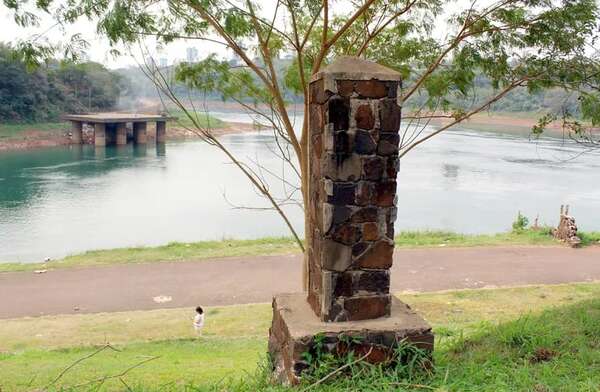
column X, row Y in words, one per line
column 139, row 132
column 354, row 122
column 121, row 132
column 76, row 132
column 161, row 132
column 100, row 134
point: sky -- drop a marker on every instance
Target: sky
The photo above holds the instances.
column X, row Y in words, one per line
column 99, row 50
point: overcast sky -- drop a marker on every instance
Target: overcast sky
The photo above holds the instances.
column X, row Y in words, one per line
column 99, row 47
column 99, row 50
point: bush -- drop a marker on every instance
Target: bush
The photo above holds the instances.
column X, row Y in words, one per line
column 520, row 224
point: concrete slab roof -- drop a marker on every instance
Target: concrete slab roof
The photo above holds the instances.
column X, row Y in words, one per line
column 114, row 117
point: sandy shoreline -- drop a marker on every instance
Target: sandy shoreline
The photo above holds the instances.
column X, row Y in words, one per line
column 34, row 139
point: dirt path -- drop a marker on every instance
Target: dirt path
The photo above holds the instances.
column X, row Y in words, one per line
column 256, row 279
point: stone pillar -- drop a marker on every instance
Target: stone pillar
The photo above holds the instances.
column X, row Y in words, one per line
column 354, row 122
column 161, row 132
column 100, row 134
column 139, row 132
column 76, row 132
column 121, row 131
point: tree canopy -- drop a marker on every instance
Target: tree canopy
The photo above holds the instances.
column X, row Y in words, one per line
column 441, row 47
column 42, row 94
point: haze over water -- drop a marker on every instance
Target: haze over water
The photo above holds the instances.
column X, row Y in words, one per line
column 60, row 201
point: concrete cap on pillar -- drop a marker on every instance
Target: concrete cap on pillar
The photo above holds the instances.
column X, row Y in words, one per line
column 355, row 68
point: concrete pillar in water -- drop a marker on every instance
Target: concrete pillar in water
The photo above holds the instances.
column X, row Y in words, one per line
column 76, row 132
column 121, row 131
column 100, row 134
column 354, row 122
column 161, row 132
column 139, row 132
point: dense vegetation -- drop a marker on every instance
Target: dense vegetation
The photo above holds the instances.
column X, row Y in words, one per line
column 42, row 94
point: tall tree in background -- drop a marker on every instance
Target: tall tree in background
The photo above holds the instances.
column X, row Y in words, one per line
column 439, row 46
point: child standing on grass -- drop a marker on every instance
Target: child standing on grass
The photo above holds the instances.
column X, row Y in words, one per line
column 199, row 321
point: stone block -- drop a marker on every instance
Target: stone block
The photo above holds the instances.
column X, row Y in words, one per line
column 343, row 193
column 371, row 88
column 364, row 117
column 367, row 307
column 345, row 87
column 338, row 113
column 364, row 143
column 389, row 114
column 385, row 193
column 318, row 95
column 335, row 256
column 365, row 214
column 364, row 193
column 377, row 256
column 349, row 169
column 295, row 327
column 388, row 144
column 370, row 232
column 373, row 168
column 346, row 234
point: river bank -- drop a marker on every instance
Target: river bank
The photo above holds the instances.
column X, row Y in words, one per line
column 57, row 134
column 52, row 134
column 202, row 250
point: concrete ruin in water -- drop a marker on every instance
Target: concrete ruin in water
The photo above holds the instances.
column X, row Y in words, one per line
column 111, row 128
column 354, row 127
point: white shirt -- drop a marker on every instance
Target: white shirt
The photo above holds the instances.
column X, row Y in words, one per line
column 199, row 321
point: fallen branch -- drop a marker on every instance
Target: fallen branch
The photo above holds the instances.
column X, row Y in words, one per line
column 106, row 378
column 71, row 366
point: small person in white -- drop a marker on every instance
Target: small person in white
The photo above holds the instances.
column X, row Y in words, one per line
column 199, row 321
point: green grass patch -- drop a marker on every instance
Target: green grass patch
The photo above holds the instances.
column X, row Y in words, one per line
column 203, row 119
column 536, row 338
column 15, row 131
column 197, row 251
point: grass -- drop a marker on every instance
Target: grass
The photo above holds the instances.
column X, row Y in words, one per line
column 14, row 131
column 177, row 251
column 17, row 131
column 203, row 119
column 486, row 340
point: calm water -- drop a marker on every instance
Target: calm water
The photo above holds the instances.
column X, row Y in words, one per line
column 60, row 201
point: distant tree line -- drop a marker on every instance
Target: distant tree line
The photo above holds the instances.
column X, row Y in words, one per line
column 46, row 92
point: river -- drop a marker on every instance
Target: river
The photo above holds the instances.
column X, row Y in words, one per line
column 60, row 201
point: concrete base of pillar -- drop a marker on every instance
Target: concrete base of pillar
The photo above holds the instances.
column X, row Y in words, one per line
column 140, row 133
column 121, row 139
column 295, row 326
column 76, row 132
column 161, row 132
column 100, row 134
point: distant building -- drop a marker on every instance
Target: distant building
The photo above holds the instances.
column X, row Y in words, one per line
column 192, row 55
column 163, row 62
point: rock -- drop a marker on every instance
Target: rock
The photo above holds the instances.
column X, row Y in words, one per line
column 371, row 89
column 338, row 112
column 370, row 232
column 335, row 256
column 373, row 168
column 378, row 256
column 364, row 117
column 364, row 143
